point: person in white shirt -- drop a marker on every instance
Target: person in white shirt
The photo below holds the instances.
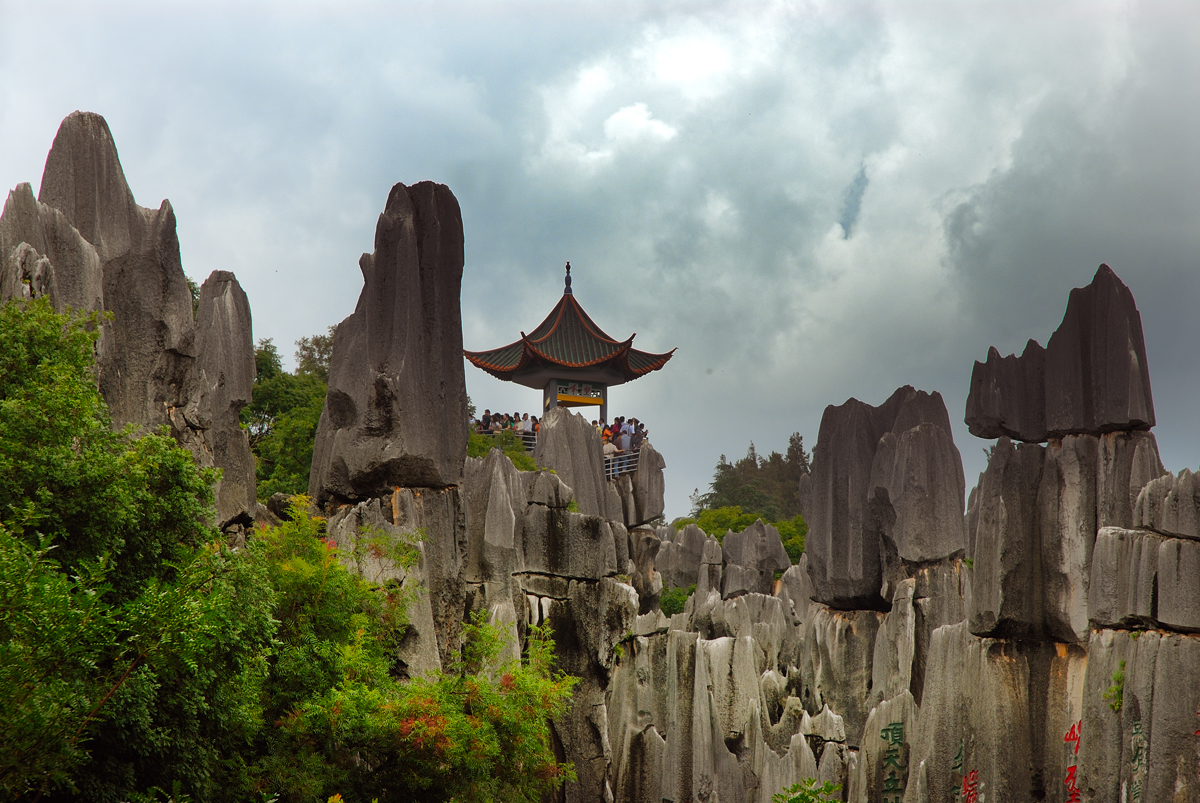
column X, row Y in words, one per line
column 610, row 456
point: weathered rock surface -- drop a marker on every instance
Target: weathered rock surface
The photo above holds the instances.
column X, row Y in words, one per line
column 644, row 546
column 1146, row 750
column 885, row 757
column 1091, row 378
column 568, row 544
column 42, row 254
column 921, row 472
column 1035, row 515
column 998, row 709
column 150, row 343
column 395, row 413
column 854, row 501
column 225, row 376
column 678, row 560
column 571, row 446
column 1170, row 505
column 1123, row 582
column 840, row 649
column 752, row 557
column 642, row 492
column 87, row 245
column 795, row 589
column 1128, row 461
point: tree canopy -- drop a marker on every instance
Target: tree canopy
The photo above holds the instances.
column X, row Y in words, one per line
column 755, row 487
column 141, row 658
column 284, row 412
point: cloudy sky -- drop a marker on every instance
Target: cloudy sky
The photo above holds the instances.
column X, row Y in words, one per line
column 811, row 200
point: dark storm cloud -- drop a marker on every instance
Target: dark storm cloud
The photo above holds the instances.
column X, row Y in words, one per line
column 701, row 165
column 852, row 202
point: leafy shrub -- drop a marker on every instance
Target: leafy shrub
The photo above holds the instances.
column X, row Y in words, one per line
column 1116, row 692
column 716, row 522
column 807, row 791
column 507, row 442
column 672, row 600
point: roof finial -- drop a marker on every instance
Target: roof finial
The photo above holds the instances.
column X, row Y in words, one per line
column 567, row 289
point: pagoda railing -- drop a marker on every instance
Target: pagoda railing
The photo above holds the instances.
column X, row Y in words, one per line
column 618, row 464
column 529, row 439
column 614, row 465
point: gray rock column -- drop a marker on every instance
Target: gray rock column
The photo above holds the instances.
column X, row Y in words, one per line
column 1091, row 378
column 395, row 413
column 225, row 368
column 571, row 446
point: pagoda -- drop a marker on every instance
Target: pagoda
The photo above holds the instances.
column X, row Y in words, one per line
column 569, row 358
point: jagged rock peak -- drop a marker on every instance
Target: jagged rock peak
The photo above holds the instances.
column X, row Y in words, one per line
column 886, row 483
column 1091, row 378
column 225, row 366
column 83, row 179
column 395, row 413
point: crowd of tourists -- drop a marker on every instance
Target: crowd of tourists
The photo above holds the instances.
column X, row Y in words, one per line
column 520, row 423
column 620, row 440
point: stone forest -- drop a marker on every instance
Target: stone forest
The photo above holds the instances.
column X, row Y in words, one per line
column 1033, row 638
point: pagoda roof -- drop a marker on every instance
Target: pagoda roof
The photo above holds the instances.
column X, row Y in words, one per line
column 567, row 338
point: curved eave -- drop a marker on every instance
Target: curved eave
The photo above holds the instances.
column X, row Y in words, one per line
column 648, row 362
column 623, row 360
column 496, row 363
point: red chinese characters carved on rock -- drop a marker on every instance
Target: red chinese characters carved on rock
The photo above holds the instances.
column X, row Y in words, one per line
column 1072, row 735
column 1072, row 789
column 970, row 788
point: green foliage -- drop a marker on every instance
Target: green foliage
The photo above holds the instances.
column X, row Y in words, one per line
column 313, row 354
column 153, row 674
column 113, row 612
column 67, row 477
column 507, row 442
column 284, row 412
column 752, row 488
column 725, row 519
column 194, row 289
column 1116, row 692
column 345, row 724
column 672, row 600
column 765, row 486
column 138, row 657
column 792, row 532
column 807, row 791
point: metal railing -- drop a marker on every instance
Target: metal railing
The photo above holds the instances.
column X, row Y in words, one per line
column 529, row 439
column 618, row 464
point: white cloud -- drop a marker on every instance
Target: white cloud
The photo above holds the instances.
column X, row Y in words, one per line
column 634, row 123
column 691, row 160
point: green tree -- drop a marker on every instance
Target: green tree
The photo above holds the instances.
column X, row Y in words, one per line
column 112, row 611
column 478, row 445
column 808, row 791
column 283, row 414
column 767, row 486
column 220, row 675
column 67, row 477
column 313, row 354
column 752, row 488
column 346, row 724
